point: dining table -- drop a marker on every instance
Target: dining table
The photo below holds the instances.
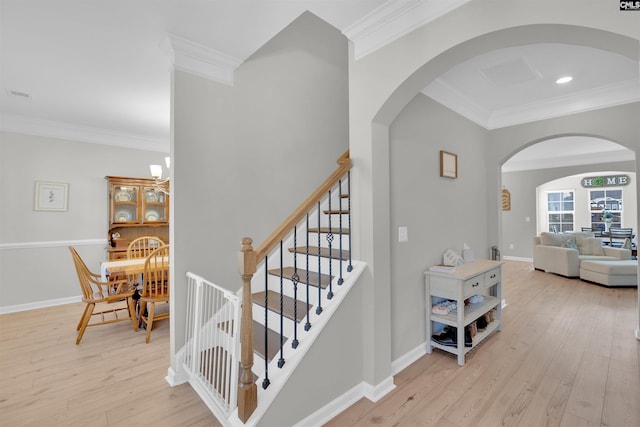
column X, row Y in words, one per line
column 121, row 267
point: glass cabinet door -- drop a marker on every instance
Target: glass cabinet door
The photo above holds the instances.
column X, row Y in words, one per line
column 155, row 206
column 125, row 204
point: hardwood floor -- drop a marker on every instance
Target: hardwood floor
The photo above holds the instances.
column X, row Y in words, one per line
column 111, row 379
column 567, row 356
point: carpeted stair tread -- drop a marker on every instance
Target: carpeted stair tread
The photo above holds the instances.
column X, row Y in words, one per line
column 323, row 252
column 288, row 303
column 258, row 341
column 287, row 272
column 325, row 230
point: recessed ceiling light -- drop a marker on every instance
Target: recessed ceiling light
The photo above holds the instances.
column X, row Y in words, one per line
column 563, row 80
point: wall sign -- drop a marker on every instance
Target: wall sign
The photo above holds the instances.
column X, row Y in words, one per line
column 605, row 181
column 506, row 200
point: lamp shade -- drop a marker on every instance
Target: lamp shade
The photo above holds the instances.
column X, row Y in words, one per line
column 156, row 171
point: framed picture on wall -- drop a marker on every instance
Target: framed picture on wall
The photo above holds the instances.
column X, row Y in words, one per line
column 448, row 164
column 51, row 196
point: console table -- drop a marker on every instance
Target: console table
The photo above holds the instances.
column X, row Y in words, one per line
column 480, row 277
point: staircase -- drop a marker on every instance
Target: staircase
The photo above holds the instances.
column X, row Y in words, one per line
column 295, row 294
column 292, row 284
column 289, row 281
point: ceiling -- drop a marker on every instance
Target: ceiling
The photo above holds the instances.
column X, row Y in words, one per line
column 99, row 71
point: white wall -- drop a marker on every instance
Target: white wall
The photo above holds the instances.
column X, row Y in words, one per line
column 35, row 265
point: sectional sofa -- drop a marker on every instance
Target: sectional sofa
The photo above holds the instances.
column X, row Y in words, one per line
column 562, row 253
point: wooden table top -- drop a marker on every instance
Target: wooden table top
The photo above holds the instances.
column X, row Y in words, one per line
column 127, row 267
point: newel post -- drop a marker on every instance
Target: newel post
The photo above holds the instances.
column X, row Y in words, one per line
column 247, row 389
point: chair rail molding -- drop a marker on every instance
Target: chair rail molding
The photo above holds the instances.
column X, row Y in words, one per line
column 52, row 244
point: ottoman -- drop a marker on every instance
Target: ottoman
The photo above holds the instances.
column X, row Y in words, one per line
column 610, row 273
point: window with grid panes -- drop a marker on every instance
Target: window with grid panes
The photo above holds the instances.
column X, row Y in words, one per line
column 560, row 211
column 609, row 199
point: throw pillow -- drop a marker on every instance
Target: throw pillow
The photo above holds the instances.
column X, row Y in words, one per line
column 570, row 243
column 592, row 246
column 580, row 242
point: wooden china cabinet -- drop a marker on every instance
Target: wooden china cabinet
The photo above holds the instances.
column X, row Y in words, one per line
column 137, row 207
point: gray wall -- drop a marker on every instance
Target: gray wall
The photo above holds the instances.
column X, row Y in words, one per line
column 31, row 238
column 382, row 83
column 522, row 186
column 440, row 213
column 246, row 156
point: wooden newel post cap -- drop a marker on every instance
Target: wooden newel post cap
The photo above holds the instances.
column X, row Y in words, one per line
column 246, row 258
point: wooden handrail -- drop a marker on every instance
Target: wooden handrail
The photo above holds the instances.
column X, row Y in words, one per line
column 293, row 219
column 247, row 265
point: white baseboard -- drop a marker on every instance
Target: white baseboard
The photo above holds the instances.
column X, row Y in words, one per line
column 407, row 359
column 340, row 404
column 176, row 378
column 517, row 258
column 39, row 304
column 379, row 391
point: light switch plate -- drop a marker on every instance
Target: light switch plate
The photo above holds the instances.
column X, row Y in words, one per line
column 403, row 234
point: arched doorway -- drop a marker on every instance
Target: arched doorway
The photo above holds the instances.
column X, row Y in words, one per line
column 374, row 109
column 558, row 159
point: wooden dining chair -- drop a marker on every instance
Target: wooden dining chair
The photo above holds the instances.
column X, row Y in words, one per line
column 143, row 246
column 106, row 302
column 155, row 289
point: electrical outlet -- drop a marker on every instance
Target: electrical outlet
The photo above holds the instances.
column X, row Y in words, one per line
column 510, row 245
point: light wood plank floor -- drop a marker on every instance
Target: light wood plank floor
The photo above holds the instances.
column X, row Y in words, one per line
column 566, row 357
column 111, row 379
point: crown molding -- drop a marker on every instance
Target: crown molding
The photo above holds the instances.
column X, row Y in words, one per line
column 594, row 99
column 201, row 60
column 72, row 132
column 606, row 96
column 447, row 95
column 574, row 160
column 393, row 20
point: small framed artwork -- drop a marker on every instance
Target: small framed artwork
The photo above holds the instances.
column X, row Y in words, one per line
column 51, row 196
column 448, row 164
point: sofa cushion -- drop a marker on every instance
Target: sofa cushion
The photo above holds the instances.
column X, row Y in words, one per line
column 581, row 233
column 611, row 268
column 589, row 246
column 553, row 239
column 570, row 243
